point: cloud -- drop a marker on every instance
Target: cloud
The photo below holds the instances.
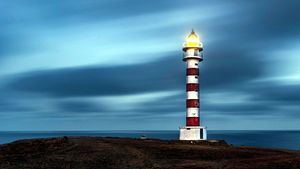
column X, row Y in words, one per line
column 163, row 74
column 82, row 107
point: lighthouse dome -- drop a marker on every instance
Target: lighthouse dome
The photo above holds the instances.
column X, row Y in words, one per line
column 192, row 41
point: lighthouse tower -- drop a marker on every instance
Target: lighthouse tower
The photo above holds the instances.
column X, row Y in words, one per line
column 192, row 49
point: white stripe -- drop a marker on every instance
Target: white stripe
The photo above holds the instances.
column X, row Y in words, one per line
column 192, row 112
column 192, row 63
column 192, row 79
column 191, row 95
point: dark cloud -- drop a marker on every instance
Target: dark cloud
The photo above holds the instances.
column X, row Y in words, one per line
column 12, row 102
column 164, row 74
column 264, row 98
column 9, row 106
column 227, row 67
column 167, row 105
column 80, row 107
column 250, row 107
column 277, row 93
column 277, row 21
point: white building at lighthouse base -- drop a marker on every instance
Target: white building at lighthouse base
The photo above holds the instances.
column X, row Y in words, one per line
column 192, row 133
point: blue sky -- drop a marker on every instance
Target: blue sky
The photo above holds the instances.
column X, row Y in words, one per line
column 101, row 65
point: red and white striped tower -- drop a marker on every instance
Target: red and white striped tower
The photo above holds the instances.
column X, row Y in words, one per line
column 192, row 56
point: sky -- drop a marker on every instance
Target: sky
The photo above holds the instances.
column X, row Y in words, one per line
column 117, row 64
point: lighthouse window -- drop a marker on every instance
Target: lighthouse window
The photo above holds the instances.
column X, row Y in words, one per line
column 196, row 77
column 196, row 64
column 201, row 133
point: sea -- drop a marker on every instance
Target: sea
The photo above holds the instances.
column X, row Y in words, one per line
column 259, row 138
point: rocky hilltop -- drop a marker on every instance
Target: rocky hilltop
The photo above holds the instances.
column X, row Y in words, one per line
column 126, row 153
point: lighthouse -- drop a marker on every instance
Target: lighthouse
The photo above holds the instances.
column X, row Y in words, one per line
column 192, row 56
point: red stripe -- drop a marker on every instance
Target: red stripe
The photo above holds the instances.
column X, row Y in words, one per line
column 192, row 103
column 192, row 87
column 192, row 71
column 192, row 121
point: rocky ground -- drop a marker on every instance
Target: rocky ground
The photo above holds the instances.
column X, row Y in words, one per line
column 125, row 153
